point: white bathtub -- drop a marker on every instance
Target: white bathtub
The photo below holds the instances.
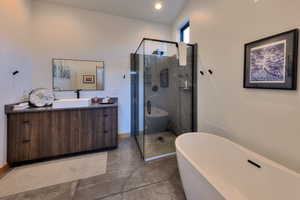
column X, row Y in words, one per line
column 157, row 113
column 214, row 168
column 157, row 121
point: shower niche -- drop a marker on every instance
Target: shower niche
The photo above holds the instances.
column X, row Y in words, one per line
column 163, row 96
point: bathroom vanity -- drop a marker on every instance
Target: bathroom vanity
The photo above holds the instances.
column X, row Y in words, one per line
column 37, row 134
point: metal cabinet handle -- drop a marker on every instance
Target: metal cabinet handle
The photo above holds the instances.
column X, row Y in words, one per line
column 26, row 141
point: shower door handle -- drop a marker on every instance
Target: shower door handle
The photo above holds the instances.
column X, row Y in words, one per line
column 149, row 107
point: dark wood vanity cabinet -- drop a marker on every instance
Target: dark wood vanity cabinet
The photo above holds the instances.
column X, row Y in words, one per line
column 52, row 133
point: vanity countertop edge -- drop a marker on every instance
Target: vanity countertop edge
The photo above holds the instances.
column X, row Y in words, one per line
column 9, row 108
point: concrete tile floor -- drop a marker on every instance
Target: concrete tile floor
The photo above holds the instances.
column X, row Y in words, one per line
column 128, row 177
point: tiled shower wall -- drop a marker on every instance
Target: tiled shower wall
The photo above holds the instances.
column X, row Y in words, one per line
column 176, row 99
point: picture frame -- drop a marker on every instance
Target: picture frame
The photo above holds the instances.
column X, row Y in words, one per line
column 88, row 79
column 271, row 63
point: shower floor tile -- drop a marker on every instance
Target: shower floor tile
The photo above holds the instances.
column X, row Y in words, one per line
column 157, row 144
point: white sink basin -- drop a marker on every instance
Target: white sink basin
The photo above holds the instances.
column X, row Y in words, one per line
column 71, row 103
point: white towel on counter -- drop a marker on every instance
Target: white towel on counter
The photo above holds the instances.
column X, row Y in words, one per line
column 182, row 51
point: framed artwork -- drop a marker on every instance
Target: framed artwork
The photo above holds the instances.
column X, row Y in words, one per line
column 88, row 79
column 271, row 63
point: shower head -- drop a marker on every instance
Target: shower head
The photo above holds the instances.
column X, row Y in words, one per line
column 158, row 52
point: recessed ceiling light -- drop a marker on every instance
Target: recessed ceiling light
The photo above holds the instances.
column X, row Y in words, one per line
column 158, row 5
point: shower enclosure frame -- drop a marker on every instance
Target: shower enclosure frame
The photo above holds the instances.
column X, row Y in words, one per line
column 135, row 89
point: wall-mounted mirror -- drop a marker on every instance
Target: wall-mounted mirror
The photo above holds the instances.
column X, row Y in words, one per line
column 71, row 74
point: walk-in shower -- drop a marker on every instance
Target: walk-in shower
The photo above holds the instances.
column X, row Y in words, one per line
column 163, row 96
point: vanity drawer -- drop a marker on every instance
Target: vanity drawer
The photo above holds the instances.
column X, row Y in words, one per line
column 28, row 136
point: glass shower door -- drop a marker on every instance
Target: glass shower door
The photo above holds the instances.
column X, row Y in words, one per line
column 161, row 96
column 137, row 96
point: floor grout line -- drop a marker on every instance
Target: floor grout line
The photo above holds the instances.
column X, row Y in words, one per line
column 136, row 188
column 73, row 194
column 130, row 190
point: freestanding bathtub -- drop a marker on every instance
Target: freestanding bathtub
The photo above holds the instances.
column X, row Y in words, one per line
column 214, row 168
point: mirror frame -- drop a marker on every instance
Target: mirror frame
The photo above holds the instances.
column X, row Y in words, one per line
column 53, row 59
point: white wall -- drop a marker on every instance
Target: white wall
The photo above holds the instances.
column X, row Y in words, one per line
column 266, row 121
column 65, row 32
column 15, row 54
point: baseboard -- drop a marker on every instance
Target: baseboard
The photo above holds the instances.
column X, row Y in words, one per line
column 4, row 169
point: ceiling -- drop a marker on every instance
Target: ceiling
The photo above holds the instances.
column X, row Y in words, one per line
column 137, row 9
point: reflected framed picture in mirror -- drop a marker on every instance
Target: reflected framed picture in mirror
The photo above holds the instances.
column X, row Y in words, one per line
column 72, row 74
column 88, row 79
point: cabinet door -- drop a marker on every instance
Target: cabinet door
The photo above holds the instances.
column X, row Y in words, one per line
column 63, row 132
column 99, row 129
column 29, row 136
column 41, row 132
column 110, row 124
column 75, row 131
column 91, row 134
column 18, row 138
column 87, row 129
